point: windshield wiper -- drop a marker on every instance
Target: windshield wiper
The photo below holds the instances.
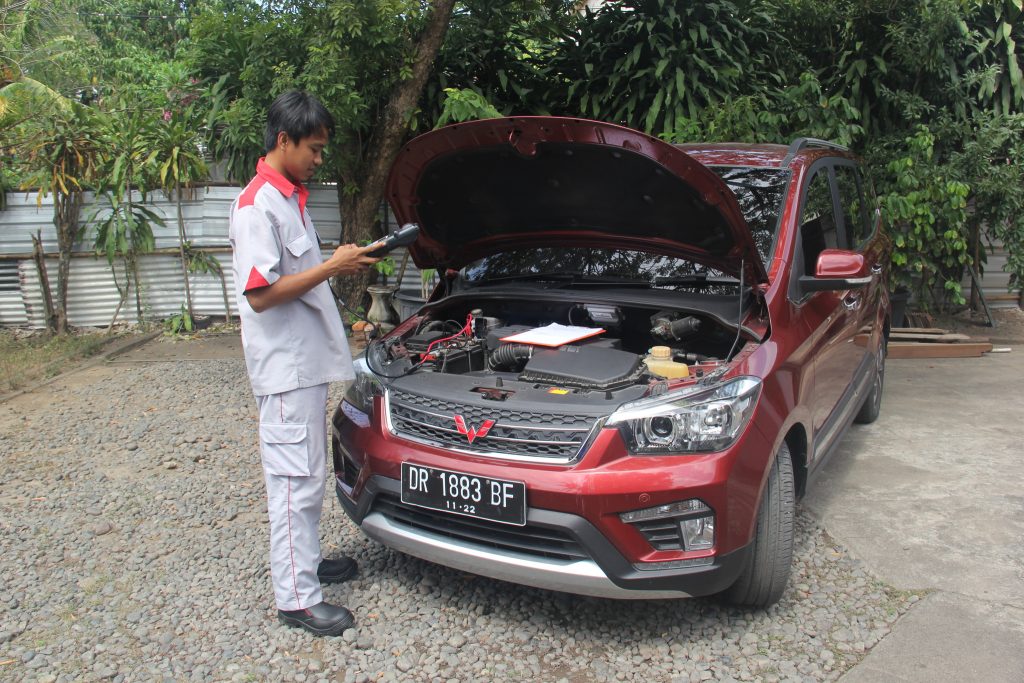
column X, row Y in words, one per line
column 696, row 280
column 527, row 277
column 570, row 279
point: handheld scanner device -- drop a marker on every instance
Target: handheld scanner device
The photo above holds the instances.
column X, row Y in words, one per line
column 402, row 237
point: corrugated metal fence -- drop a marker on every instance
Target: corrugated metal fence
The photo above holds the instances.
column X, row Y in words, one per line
column 93, row 295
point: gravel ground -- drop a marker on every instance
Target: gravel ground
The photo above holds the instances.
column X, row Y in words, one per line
column 133, row 546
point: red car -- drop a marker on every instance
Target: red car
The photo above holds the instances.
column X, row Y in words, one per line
column 638, row 356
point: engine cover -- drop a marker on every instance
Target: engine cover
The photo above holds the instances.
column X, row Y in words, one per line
column 587, row 366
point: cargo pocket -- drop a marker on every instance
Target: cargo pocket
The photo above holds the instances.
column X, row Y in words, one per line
column 284, row 449
column 300, row 245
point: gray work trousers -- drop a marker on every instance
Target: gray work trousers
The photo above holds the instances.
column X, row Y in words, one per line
column 293, row 446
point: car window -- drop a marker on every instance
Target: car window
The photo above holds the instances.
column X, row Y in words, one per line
column 817, row 221
column 759, row 192
column 853, row 206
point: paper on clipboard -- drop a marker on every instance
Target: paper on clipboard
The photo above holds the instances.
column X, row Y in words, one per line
column 553, row 335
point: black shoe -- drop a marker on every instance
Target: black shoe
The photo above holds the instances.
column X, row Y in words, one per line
column 336, row 571
column 322, row 619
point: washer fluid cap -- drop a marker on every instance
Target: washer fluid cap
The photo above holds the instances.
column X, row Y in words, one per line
column 661, row 352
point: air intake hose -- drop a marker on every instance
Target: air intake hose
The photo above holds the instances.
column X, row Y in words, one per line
column 510, row 356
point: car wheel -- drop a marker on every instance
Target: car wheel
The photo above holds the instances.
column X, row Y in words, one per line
column 872, row 405
column 767, row 570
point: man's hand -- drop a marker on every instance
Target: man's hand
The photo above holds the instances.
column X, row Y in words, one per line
column 346, row 260
column 349, row 259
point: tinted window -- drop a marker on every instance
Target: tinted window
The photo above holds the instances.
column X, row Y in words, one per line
column 759, row 192
column 851, row 202
column 817, row 221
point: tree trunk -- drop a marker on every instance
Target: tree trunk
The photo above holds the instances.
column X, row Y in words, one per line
column 131, row 256
column 359, row 211
column 122, row 294
column 66, row 210
column 134, row 264
column 181, row 250
column 44, row 282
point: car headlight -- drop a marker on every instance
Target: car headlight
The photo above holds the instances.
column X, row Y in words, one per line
column 693, row 420
column 362, row 390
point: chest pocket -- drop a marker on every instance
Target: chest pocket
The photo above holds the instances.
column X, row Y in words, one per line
column 300, row 245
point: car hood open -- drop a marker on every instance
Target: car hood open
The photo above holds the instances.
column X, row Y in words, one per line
column 487, row 186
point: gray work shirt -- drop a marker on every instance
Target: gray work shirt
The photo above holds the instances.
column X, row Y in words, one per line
column 300, row 343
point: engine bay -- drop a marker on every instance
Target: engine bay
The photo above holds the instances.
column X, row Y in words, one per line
column 640, row 345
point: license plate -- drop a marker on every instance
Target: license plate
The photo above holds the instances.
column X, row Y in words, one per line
column 497, row 500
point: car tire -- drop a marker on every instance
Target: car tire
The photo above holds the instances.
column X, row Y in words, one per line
column 766, row 573
column 872, row 405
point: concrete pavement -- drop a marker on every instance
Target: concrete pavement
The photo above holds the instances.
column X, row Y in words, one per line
column 931, row 496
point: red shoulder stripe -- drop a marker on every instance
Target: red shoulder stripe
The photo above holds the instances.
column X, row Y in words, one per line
column 248, row 195
column 255, row 281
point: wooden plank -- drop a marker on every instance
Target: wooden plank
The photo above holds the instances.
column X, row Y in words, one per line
column 927, row 350
column 932, row 338
column 919, row 330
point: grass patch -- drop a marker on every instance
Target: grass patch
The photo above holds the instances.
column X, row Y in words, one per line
column 27, row 358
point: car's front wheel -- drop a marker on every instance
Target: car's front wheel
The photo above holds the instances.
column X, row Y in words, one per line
column 764, row 577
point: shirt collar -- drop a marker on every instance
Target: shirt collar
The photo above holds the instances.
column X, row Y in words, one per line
column 280, row 183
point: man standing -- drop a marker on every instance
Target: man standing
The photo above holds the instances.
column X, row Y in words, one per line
column 294, row 346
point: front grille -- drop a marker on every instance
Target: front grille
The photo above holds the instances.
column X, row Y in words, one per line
column 514, row 433
column 529, row 539
column 662, row 534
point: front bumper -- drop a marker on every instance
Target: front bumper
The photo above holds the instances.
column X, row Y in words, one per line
column 555, row 551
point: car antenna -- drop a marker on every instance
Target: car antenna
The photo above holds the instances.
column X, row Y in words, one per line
column 739, row 316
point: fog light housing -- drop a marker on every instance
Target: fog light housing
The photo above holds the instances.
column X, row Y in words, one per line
column 683, row 525
column 698, row 533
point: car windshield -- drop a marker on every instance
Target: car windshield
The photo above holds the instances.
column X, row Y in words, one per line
column 585, row 265
column 760, row 192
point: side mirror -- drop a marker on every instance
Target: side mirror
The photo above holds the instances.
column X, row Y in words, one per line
column 837, row 270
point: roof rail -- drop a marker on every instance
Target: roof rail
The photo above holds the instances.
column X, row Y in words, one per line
column 799, row 143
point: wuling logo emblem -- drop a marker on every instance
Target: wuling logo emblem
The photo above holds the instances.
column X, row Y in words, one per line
column 472, row 433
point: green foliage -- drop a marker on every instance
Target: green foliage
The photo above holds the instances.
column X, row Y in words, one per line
column 386, row 266
column 124, row 229
column 201, row 261
column 236, row 133
column 987, row 151
column 179, row 323
column 500, row 51
column 926, row 212
column 775, row 115
column 45, row 39
column 656, row 64
column 63, row 154
column 354, row 316
column 998, row 49
column 174, row 149
column 465, row 105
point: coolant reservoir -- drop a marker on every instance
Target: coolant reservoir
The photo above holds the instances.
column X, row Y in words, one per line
column 659, row 362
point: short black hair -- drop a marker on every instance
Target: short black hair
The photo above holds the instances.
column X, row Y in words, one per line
column 298, row 114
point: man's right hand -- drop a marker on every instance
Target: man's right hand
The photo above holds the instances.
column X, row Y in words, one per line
column 349, row 259
column 346, row 260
